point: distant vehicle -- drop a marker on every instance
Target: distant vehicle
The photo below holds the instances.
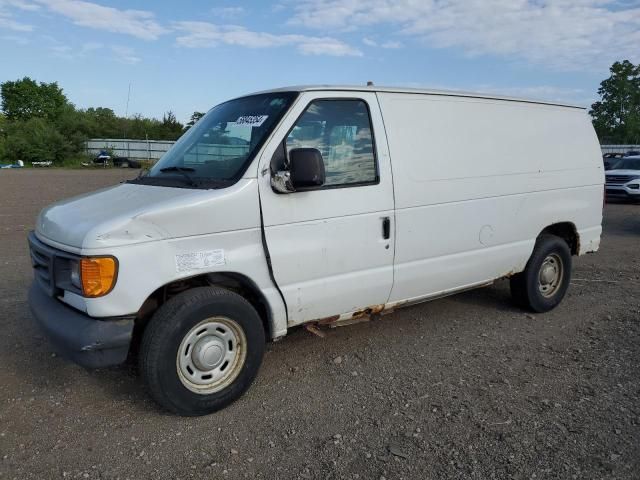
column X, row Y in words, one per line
column 337, row 204
column 103, row 158
column 17, row 164
column 624, row 179
column 611, row 159
column 125, row 162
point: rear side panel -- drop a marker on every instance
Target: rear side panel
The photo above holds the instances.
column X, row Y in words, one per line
column 475, row 182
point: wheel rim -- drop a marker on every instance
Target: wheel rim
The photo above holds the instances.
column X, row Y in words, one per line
column 211, row 355
column 550, row 275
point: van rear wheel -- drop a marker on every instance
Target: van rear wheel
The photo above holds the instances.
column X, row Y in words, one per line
column 201, row 350
column 545, row 280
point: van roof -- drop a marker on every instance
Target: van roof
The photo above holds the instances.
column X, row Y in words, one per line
column 448, row 93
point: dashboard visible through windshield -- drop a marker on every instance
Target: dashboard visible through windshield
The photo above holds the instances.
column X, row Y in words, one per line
column 216, row 151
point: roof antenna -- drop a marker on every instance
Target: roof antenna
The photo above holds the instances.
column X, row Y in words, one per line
column 369, row 83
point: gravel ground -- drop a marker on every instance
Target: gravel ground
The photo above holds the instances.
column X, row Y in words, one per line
column 464, row 387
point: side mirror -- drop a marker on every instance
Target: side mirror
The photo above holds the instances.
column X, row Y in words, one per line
column 306, row 167
column 306, row 170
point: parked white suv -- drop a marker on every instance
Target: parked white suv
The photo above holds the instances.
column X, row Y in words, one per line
column 313, row 205
column 624, row 179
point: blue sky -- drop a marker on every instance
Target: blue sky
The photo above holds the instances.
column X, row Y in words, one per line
column 190, row 55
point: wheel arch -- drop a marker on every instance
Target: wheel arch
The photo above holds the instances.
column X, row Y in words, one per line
column 233, row 281
column 567, row 231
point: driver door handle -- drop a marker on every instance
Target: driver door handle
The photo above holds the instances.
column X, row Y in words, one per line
column 386, row 228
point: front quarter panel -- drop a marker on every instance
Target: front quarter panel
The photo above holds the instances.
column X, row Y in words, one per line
column 145, row 267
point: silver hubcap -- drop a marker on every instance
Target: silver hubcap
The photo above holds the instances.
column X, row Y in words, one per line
column 211, row 355
column 550, row 276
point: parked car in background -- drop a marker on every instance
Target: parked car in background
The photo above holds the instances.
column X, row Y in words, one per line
column 16, row 164
column 105, row 158
column 125, row 162
column 624, row 179
column 317, row 206
column 102, row 158
column 610, row 159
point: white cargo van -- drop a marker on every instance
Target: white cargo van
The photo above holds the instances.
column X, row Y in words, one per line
column 312, row 205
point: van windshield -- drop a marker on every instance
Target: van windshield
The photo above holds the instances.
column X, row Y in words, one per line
column 217, row 150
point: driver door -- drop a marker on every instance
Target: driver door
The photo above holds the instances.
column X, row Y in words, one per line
column 332, row 247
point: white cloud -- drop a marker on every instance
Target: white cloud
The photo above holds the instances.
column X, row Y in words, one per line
column 16, row 39
column 564, row 34
column 119, row 53
column 388, row 44
column 204, row 34
column 138, row 23
column 20, row 4
column 392, row 44
column 7, row 21
column 228, row 12
column 124, row 54
column 90, row 47
column 62, row 51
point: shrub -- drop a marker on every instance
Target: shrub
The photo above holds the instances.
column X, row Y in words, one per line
column 36, row 140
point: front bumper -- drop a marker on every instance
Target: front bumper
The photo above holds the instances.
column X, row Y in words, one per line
column 87, row 341
column 627, row 190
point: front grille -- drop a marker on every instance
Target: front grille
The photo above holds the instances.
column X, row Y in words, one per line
column 42, row 260
column 51, row 267
column 619, row 179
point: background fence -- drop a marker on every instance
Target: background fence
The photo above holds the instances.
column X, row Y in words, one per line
column 139, row 149
column 619, row 148
column 154, row 149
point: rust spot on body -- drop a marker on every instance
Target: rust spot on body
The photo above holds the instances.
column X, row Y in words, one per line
column 327, row 320
column 369, row 311
column 315, row 330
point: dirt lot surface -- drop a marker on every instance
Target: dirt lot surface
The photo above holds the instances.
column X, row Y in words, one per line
column 464, row 387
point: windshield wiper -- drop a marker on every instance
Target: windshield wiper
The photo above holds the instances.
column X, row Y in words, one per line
column 183, row 171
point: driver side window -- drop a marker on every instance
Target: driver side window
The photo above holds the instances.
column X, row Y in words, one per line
column 341, row 130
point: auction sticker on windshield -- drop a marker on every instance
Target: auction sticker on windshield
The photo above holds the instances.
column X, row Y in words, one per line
column 252, row 120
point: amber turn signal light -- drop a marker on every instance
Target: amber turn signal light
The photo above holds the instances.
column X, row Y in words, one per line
column 98, row 275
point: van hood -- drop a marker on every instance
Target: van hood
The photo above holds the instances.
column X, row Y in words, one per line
column 131, row 213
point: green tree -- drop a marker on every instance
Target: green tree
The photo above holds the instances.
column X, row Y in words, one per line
column 37, row 139
column 171, row 127
column 195, row 116
column 25, row 99
column 3, row 136
column 38, row 123
column 616, row 116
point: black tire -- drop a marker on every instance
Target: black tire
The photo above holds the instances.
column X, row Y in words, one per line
column 175, row 321
column 526, row 286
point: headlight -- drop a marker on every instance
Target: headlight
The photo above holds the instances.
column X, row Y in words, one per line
column 97, row 275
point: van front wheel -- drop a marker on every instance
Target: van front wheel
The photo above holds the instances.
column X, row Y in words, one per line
column 545, row 280
column 201, row 350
